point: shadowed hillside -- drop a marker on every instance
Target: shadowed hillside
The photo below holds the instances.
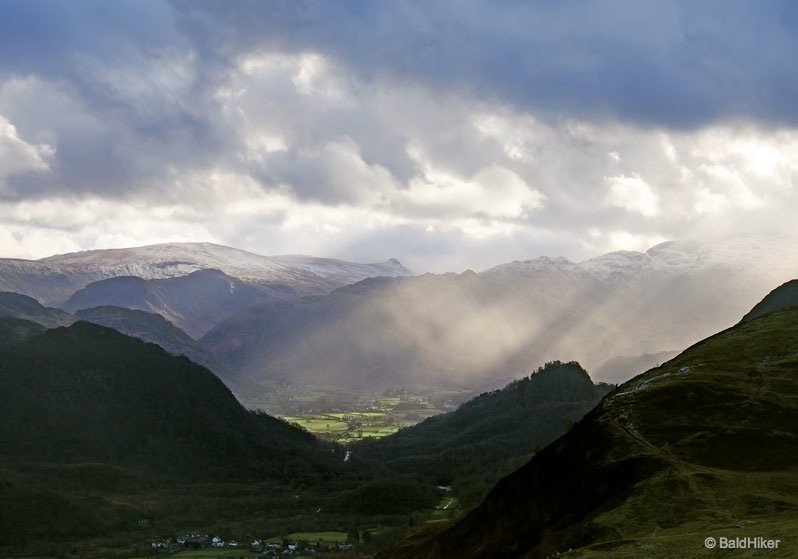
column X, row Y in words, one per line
column 24, row 307
column 146, row 326
column 89, row 394
column 89, row 412
column 152, row 328
column 194, row 303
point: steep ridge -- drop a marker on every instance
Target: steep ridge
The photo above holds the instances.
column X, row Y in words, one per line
column 623, row 367
column 783, row 297
column 471, row 448
column 705, row 444
column 54, row 279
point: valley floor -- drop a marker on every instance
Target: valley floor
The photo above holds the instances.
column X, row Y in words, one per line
column 349, row 415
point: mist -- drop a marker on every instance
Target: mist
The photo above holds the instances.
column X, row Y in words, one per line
column 469, row 330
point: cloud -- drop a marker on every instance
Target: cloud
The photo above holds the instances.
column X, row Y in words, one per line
column 633, row 194
column 674, row 64
column 449, row 135
column 493, row 192
column 19, row 157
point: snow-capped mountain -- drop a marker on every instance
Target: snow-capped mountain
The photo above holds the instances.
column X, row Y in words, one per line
column 665, row 298
column 54, row 279
column 670, row 259
column 774, row 255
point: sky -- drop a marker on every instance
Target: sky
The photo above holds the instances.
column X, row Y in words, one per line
column 449, row 134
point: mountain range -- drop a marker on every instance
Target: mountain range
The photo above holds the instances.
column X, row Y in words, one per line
column 327, row 322
column 14, row 305
column 473, row 328
column 53, row 280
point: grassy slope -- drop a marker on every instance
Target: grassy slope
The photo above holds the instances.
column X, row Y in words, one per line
column 704, row 445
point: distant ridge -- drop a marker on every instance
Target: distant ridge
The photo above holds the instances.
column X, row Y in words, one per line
column 27, row 308
column 54, row 279
column 145, row 326
column 195, row 302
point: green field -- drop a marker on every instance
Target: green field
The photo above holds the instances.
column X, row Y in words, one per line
column 214, row 553
column 347, row 416
column 312, row 537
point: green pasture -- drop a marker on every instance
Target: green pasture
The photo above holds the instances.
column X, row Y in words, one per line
column 311, row 537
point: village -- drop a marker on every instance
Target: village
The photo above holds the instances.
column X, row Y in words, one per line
column 295, row 545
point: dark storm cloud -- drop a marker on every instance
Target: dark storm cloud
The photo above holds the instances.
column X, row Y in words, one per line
column 138, row 78
column 116, row 87
column 676, row 63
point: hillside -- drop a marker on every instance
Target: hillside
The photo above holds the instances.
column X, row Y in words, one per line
column 471, row 448
column 97, row 426
column 115, row 399
column 16, row 329
column 152, row 328
column 20, row 306
column 704, row 445
column 54, row 279
column 623, row 367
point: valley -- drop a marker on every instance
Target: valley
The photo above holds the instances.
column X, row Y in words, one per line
column 347, row 415
column 151, row 432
